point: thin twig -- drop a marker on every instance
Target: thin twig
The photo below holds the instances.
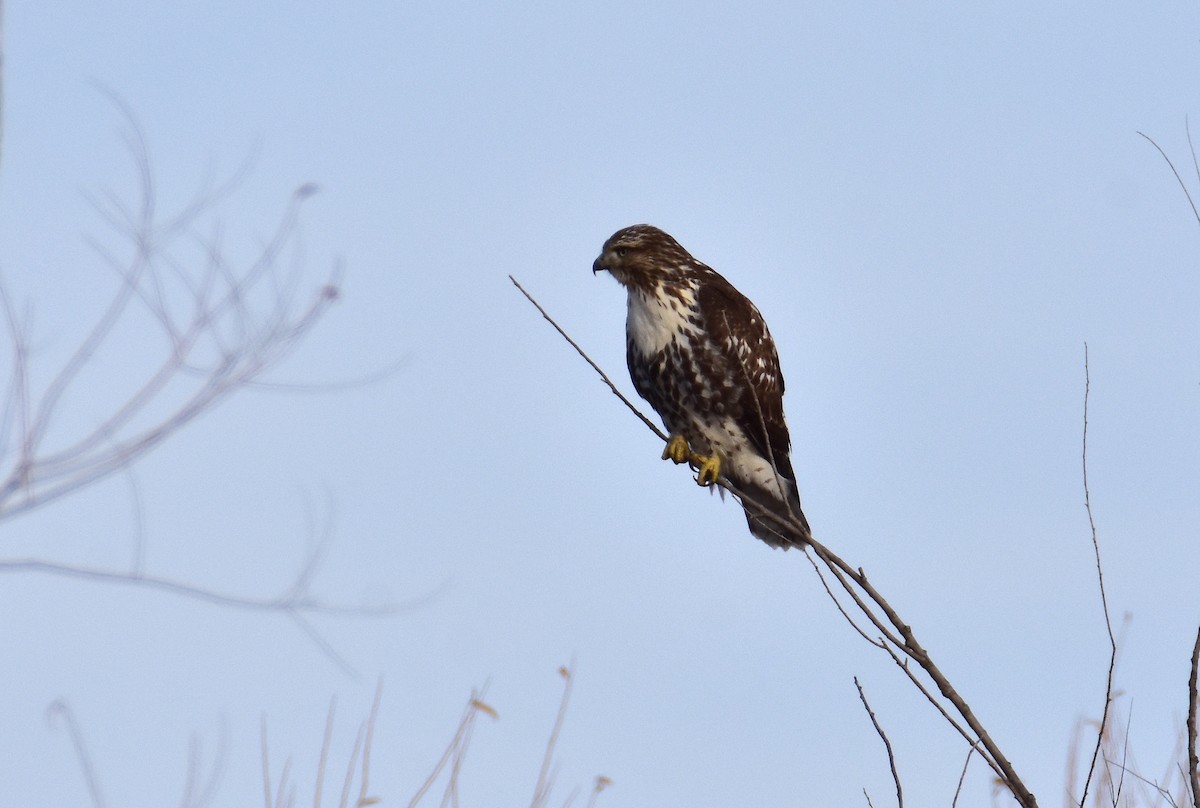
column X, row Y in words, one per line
column 1162, row 792
column 323, row 760
column 60, row 709
column 296, row 603
column 1182, row 184
column 887, row 743
column 821, row 577
column 291, row 602
column 363, row 799
column 266, row 764
column 1112, row 640
column 351, row 764
column 962, row 777
column 1193, row 760
column 196, row 795
column 588, row 359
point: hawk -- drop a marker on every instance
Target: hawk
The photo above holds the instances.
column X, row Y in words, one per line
column 700, row 353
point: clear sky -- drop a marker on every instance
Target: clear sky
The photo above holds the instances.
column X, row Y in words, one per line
column 935, row 205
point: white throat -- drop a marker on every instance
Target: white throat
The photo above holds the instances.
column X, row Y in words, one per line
column 656, row 318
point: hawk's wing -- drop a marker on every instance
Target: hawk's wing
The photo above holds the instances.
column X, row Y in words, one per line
column 740, row 334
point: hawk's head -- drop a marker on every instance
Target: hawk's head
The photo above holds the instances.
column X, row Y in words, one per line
column 643, row 255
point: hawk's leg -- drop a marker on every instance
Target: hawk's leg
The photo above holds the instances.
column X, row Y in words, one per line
column 708, row 469
column 677, row 450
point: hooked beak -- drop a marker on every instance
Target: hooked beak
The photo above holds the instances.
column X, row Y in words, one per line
column 598, row 266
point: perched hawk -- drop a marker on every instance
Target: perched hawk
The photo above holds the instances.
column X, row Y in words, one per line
column 701, row 354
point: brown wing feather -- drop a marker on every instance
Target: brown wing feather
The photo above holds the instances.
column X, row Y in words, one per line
column 740, row 333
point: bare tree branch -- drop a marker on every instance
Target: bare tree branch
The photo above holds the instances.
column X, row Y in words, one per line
column 298, row 602
column 221, row 325
column 222, row 328
column 896, row 636
column 887, row 743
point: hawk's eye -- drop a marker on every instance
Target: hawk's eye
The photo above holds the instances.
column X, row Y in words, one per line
column 621, row 251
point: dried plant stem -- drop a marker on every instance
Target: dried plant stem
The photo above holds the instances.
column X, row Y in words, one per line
column 541, row 791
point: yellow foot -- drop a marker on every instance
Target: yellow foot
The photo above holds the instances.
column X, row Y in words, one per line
column 708, row 469
column 677, row 450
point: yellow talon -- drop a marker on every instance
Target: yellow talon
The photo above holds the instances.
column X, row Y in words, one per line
column 708, row 469
column 677, row 450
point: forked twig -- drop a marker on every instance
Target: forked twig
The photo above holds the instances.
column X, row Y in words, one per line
column 897, row 637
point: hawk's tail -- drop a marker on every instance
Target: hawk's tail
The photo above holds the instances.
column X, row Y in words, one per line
column 780, row 523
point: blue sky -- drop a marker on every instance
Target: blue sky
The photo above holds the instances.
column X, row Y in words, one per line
column 934, row 205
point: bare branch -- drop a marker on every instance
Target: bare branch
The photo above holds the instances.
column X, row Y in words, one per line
column 604, row 376
column 1179, row 179
column 1112, row 641
column 1193, row 696
column 887, row 743
column 363, row 799
column 236, row 325
column 351, row 764
column 897, row 637
column 300, row 603
column 266, row 765
column 962, row 777
column 853, row 624
column 296, row 603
